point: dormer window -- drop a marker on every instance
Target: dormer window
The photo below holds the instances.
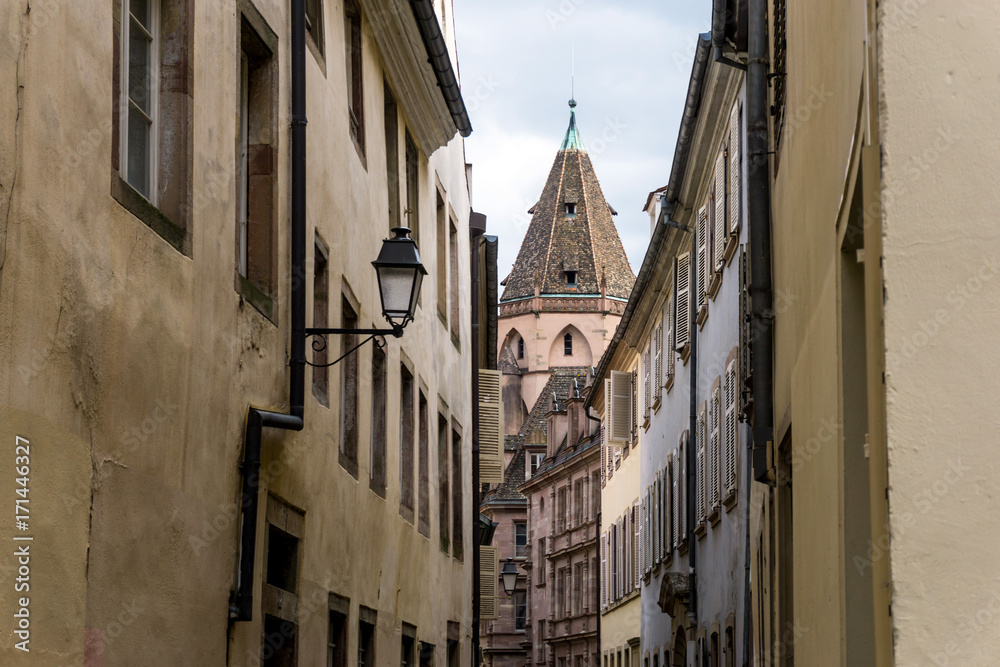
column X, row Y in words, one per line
column 570, row 209
column 571, row 279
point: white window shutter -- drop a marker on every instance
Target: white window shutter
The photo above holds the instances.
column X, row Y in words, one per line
column 620, row 407
column 669, row 340
column 489, row 574
column 675, row 505
column 491, row 463
column 669, row 522
column 604, row 570
column 715, row 448
column 660, row 537
column 700, row 469
column 730, row 431
column 637, row 544
column 682, row 485
column 702, row 232
column 642, row 536
column 658, row 361
column 645, row 383
column 682, row 302
column 627, row 539
column 734, row 171
column 721, row 218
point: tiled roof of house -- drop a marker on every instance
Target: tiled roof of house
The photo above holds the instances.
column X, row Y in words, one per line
column 533, row 431
column 585, row 241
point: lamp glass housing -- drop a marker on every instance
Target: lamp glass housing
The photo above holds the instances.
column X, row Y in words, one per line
column 400, row 275
column 508, row 576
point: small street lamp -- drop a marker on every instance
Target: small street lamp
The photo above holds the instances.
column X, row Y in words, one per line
column 508, row 575
column 400, row 274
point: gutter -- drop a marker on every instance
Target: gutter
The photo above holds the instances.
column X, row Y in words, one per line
column 685, row 137
column 759, row 232
column 440, row 61
column 241, row 607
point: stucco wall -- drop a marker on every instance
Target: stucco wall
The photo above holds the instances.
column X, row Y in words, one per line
column 139, row 362
column 937, row 61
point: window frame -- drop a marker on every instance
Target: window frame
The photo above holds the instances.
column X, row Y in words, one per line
column 153, row 34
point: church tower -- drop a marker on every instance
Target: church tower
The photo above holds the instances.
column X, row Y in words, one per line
column 569, row 285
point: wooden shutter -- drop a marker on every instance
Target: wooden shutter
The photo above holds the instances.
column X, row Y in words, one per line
column 622, row 556
column 604, row 441
column 635, row 401
column 637, row 543
column 730, row 429
column 682, row 486
column 654, row 520
column 642, row 535
column 627, row 529
column 715, row 448
column 618, row 396
column 489, row 575
column 702, row 232
column 669, row 522
column 603, row 574
column 682, row 292
column 661, row 483
column 675, row 505
column 746, row 330
column 700, row 469
column 669, row 343
column 646, row 382
column 735, row 197
column 721, row 218
column 491, row 463
column 658, row 361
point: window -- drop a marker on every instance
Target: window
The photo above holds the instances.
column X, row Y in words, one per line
column 520, row 539
column 534, row 462
column 577, row 588
column 366, row 637
column 391, row 116
column 700, row 467
column 355, row 88
column 348, row 390
column 456, row 316
column 412, row 188
column 540, row 563
column 405, row 443
column 151, row 138
column 281, row 571
column 571, row 279
column 256, row 187
column 408, row 645
column 561, row 593
column 520, row 610
column 423, row 487
column 442, row 257
column 595, row 490
column 443, row 514
column 568, row 345
column 578, row 502
column 314, row 23
column 520, row 348
column 321, row 309
column 140, row 68
column 561, row 510
column 336, row 643
column 376, row 468
column 426, row 654
column 458, row 543
column 454, row 645
column 780, row 68
column 570, row 209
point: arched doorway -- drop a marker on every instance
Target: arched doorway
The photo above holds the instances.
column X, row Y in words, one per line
column 679, row 657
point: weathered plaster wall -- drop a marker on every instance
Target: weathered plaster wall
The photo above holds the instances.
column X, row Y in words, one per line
column 138, row 363
column 938, row 66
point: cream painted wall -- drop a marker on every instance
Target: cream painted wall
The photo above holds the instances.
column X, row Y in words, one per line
column 939, row 62
column 136, row 364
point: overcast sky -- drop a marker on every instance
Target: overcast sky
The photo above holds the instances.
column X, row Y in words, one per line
column 633, row 62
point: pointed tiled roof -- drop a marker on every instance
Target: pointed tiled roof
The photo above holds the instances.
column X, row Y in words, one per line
column 583, row 240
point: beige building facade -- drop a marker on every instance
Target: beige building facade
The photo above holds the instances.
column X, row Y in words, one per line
column 144, row 302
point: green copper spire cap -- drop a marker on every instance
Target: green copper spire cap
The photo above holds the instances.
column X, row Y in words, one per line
column 572, row 139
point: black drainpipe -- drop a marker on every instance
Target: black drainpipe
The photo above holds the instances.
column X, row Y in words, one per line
column 241, row 608
column 477, row 228
column 759, row 228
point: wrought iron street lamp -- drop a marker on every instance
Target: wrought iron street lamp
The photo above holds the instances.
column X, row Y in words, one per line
column 508, row 575
column 400, row 275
